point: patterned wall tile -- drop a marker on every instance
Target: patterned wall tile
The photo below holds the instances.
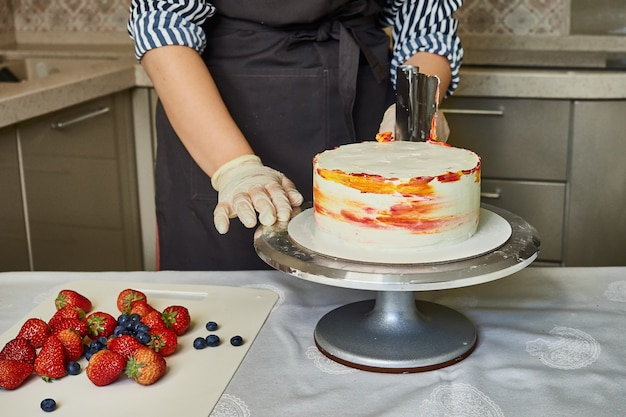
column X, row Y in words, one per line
column 514, row 17
column 7, row 24
column 492, row 17
column 71, row 15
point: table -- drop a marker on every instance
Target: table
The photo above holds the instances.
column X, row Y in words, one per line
column 551, row 342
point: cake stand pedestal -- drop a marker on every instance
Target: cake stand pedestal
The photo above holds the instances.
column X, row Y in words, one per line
column 394, row 333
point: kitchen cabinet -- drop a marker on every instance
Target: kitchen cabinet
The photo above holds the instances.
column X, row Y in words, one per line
column 13, row 236
column 553, row 162
column 596, row 221
column 79, row 187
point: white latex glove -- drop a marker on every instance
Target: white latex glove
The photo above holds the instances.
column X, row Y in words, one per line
column 245, row 186
column 388, row 123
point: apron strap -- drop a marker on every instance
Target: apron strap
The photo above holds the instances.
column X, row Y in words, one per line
column 347, row 31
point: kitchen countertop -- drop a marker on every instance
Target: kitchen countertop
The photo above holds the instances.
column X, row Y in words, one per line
column 107, row 69
column 550, row 343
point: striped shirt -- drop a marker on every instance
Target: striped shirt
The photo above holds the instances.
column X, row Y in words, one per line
column 418, row 25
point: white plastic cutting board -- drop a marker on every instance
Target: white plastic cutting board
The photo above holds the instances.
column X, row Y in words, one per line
column 194, row 380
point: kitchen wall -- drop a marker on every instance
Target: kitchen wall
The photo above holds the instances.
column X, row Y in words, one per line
column 480, row 17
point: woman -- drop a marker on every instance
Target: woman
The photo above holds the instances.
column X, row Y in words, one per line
column 251, row 90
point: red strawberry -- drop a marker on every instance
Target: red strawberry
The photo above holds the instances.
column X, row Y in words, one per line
column 177, row 318
column 80, row 326
column 19, row 349
column 104, row 367
column 67, row 312
column 145, row 366
column 163, row 341
column 126, row 297
column 72, row 298
column 51, row 360
column 125, row 345
column 141, row 307
column 100, row 324
column 153, row 320
column 13, row 373
column 73, row 344
column 36, row 331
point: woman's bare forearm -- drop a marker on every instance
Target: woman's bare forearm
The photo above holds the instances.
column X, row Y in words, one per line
column 194, row 106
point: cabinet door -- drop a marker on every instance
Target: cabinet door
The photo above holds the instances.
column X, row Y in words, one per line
column 79, row 176
column 13, row 237
column 596, row 230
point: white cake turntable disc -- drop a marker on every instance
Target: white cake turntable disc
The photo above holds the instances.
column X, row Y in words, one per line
column 492, row 232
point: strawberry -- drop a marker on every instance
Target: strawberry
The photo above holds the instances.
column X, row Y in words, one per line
column 145, row 366
column 72, row 342
column 125, row 345
column 67, row 312
column 100, row 324
column 19, row 349
column 177, row 318
column 36, row 331
column 154, row 320
column 51, row 360
column 72, row 298
column 141, row 307
column 105, row 367
column 163, row 341
column 126, row 297
column 13, row 373
column 80, row 326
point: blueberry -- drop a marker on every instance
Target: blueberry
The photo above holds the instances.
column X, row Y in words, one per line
column 142, row 328
column 236, row 340
column 211, row 326
column 96, row 345
column 122, row 318
column 212, row 340
column 134, row 317
column 199, row 343
column 143, row 337
column 103, row 340
column 48, row 405
column 73, row 368
column 89, row 354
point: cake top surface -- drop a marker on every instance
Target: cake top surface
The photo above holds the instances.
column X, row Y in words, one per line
column 398, row 159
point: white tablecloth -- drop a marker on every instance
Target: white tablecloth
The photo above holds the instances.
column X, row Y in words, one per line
column 552, row 342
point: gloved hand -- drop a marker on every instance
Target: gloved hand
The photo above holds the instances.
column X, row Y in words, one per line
column 245, row 186
column 388, row 123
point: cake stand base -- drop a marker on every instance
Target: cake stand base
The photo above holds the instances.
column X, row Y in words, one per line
column 395, row 334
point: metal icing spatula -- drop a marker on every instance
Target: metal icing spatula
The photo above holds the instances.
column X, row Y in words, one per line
column 417, row 98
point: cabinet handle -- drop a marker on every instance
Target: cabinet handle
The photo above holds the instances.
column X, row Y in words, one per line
column 493, row 195
column 476, row 112
column 90, row 115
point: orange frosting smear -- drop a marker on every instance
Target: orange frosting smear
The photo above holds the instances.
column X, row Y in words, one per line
column 413, row 216
column 384, row 137
column 367, row 183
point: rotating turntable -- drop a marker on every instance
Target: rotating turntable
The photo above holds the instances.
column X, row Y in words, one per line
column 394, row 333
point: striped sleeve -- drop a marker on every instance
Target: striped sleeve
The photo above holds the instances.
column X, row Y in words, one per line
column 155, row 23
column 428, row 26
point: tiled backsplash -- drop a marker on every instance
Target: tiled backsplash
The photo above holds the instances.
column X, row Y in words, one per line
column 489, row 17
column 514, row 17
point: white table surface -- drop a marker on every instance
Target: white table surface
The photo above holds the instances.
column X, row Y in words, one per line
column 552, row 342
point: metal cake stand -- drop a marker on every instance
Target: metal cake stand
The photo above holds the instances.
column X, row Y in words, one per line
column 395, row 333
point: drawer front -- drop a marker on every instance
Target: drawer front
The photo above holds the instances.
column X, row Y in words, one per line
column 85, row 130
column 539, row 203
column 516, row 138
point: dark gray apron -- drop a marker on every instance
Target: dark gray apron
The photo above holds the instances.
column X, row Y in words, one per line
column 294, row 91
